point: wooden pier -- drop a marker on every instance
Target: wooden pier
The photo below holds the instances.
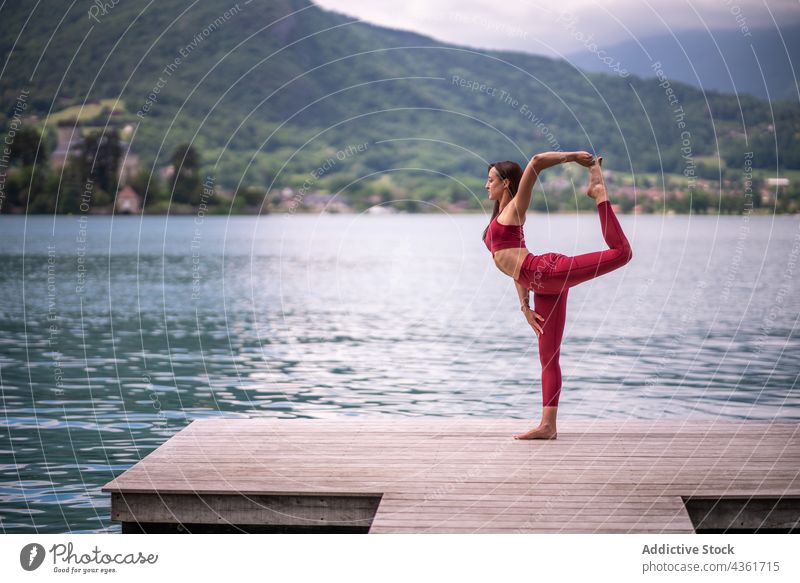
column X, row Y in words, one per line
column 465, row 475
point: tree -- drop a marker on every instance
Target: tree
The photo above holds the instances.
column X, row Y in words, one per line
column 25, row 146
column 699, row 201
column 149, row 187
column 185, row 184
column 99, row 156
column 253, row 196
column 24, row 185
column 72, row 188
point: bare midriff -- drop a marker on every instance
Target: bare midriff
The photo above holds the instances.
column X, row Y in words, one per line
column 509, row 261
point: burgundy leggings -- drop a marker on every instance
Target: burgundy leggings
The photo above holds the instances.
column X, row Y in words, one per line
column 551, row 275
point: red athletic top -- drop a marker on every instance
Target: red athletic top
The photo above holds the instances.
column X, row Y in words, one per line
column 501, row 236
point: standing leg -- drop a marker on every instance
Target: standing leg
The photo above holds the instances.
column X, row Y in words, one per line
column 554, row 310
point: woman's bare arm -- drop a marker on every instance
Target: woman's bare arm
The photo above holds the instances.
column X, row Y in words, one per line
column 540, row 162
column 524, row 295
column 532, row 317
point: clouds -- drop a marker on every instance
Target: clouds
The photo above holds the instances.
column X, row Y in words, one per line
column 539, row 27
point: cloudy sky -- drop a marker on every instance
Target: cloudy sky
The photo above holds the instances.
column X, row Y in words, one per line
column 560, row 27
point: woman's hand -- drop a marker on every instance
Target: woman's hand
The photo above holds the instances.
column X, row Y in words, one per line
column 584, row 159
column 533, row 319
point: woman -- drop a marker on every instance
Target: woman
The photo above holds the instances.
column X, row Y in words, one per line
column 550, row 275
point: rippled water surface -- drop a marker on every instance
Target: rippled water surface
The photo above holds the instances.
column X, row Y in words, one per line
column 116, row 333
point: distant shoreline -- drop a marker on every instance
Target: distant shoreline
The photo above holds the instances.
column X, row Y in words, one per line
column 756, row 212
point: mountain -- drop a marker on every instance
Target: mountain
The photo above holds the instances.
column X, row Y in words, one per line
column 284, row 93
column 760, row 62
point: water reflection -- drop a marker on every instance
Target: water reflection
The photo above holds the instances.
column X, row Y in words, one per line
column 348, row 315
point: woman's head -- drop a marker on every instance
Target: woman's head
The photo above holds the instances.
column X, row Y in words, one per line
column 502, row 176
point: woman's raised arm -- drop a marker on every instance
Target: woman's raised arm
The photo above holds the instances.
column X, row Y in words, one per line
column 540, row 162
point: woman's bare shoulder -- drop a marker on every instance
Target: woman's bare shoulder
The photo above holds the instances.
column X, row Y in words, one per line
column 511, row 215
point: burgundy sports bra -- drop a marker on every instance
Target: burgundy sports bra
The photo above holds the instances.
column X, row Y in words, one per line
column 501, row 236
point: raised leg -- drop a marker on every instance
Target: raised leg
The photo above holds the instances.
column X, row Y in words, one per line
column 570, row 271
column 609, row 225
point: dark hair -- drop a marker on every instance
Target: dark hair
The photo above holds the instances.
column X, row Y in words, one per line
column 508, row 169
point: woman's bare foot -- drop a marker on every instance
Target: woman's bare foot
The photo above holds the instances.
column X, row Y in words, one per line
column 541, row 432
column 597, row 186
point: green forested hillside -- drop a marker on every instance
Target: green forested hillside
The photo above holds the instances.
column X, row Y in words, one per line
column 268, row 93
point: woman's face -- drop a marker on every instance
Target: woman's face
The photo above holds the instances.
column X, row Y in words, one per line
column 494, row 185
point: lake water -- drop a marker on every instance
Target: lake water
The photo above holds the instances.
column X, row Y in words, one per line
column 118, row 332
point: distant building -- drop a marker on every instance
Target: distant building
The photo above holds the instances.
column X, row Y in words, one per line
column 558, row 183
column 69, row 139
column 778, row 182
column 166, row 172
column 325, row 203
column 458, row 206
column 127, row 202
column 381, row 210
column 654, row 193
